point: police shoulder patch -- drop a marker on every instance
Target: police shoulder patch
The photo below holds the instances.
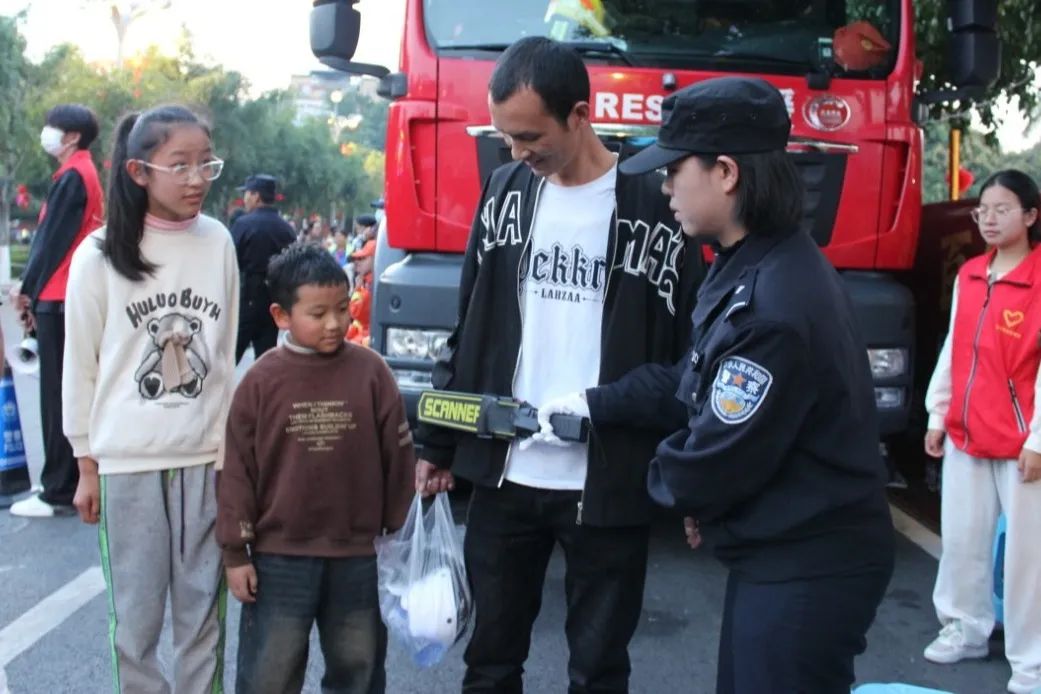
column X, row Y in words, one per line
column 739, row 389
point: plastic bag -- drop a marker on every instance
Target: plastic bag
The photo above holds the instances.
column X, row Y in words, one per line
column 424, row 595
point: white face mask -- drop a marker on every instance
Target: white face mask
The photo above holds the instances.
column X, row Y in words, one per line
column 50, row 140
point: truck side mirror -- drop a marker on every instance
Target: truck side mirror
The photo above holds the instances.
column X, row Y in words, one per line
column 974, row 56
column 335, row 27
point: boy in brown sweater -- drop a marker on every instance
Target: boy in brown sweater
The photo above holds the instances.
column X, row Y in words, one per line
column 319, row 462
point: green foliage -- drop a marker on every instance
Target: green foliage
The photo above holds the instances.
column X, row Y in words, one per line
column 977, row 156
column 1019, row 28
column 15, row 129
column 251, row 135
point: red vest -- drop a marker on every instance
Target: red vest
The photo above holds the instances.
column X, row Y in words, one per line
column 996, row 350
column 93, row 217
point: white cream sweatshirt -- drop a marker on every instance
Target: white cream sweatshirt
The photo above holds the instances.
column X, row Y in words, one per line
column 149, row 367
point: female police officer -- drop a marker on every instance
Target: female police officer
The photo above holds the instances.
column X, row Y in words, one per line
column 778, row 457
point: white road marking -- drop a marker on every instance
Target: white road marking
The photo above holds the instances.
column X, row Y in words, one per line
column 916, row 532
column 18, row 636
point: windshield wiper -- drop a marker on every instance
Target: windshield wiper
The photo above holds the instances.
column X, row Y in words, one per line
column 602, row 47
column 583, row 47
column 765, row 57
column 475, row 47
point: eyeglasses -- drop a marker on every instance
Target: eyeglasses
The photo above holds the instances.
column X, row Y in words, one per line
column 182, row 173
column 1002, row 212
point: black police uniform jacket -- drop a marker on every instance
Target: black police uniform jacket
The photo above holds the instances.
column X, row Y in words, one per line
column 778, row 458
column 259, row 235
column 652, row 281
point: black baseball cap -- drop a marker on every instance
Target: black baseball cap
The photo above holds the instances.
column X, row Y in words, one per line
column 366, row 220
column 724, row 115
column 261, row 183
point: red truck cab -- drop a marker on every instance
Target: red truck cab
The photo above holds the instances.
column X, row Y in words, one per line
column 846, row 68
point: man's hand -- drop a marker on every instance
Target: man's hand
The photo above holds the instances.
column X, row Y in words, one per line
column 1029, row 465
column 430, row 480
column 88, row 492
column 693, row 532
column 242, row 582
column 934, row 443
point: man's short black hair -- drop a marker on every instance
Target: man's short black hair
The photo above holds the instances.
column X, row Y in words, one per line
column 74, row 118
column 299, row 264
column 769, row 191
column 551, row 69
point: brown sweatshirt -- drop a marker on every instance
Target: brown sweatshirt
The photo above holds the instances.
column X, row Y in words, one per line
column 319, row 457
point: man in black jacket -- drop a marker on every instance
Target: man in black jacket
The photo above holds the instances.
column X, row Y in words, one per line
column 259, row 235
column 574, row 274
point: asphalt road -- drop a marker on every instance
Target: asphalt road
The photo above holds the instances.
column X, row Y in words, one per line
column 50, row 588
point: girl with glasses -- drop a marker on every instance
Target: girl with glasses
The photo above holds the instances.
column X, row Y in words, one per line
column 984, row 423
column 151, row 319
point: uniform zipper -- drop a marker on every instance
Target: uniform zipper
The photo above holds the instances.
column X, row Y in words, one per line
column 520, row 314
column 975, row 360
column 607, row 286
column 1021, row 422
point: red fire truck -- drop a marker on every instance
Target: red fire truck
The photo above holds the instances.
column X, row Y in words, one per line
column 847, row 69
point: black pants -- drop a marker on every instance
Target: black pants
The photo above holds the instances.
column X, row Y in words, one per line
column 796, row 637
column 293, row 593
column 256, row 327
column 60, row 472
column 510, row 535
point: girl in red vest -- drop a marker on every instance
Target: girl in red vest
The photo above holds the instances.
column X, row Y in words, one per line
column 982, row 401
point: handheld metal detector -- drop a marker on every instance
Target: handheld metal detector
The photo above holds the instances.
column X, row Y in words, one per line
column 491, row 416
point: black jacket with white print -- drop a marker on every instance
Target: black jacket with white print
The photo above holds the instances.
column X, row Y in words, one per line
column 651, row 286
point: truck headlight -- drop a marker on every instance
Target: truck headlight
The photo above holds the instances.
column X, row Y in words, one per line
column 889, row 398
column 887, row 363
column 407, row 343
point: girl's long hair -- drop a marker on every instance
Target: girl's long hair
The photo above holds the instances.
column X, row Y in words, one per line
column 137, row 137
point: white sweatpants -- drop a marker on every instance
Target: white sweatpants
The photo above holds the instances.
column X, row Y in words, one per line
column 975, row 493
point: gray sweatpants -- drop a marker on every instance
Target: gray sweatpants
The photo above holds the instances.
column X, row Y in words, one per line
column 157, row 537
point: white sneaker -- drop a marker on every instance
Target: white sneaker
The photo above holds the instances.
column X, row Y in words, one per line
column 950, row 646
column 35, row 507
column 1024, row 684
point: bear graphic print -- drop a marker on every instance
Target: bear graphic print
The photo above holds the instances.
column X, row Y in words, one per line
column 176, row 357
column 173, row 363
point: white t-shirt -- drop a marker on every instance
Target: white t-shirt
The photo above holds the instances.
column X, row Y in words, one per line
column 562, row 294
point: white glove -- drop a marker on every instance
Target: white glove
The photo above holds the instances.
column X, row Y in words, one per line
column 572, row 404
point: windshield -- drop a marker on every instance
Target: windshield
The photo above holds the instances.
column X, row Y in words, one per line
column 853, row 38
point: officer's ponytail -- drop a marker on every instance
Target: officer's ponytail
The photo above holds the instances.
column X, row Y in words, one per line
column 1024, row 188
column 136, row 138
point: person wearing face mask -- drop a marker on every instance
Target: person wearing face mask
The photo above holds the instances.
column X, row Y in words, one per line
column 73, row 209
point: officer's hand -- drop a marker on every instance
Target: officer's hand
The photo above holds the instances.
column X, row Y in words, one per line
column 570, row 404
column 934, row 443
column 1029, row 465
column 431, row 480
column 693, row 532
column 242, row 582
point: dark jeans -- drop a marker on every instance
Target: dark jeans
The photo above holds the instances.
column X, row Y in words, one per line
column 256, row 327
column 510, row 535
column 60, row 472
column 796, row 637
column 292, row 594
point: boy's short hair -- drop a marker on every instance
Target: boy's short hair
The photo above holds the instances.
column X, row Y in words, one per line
column 74, row 118
column 301, row 263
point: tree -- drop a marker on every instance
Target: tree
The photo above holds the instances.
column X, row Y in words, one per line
column 1019, row 29
column 16, row 129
